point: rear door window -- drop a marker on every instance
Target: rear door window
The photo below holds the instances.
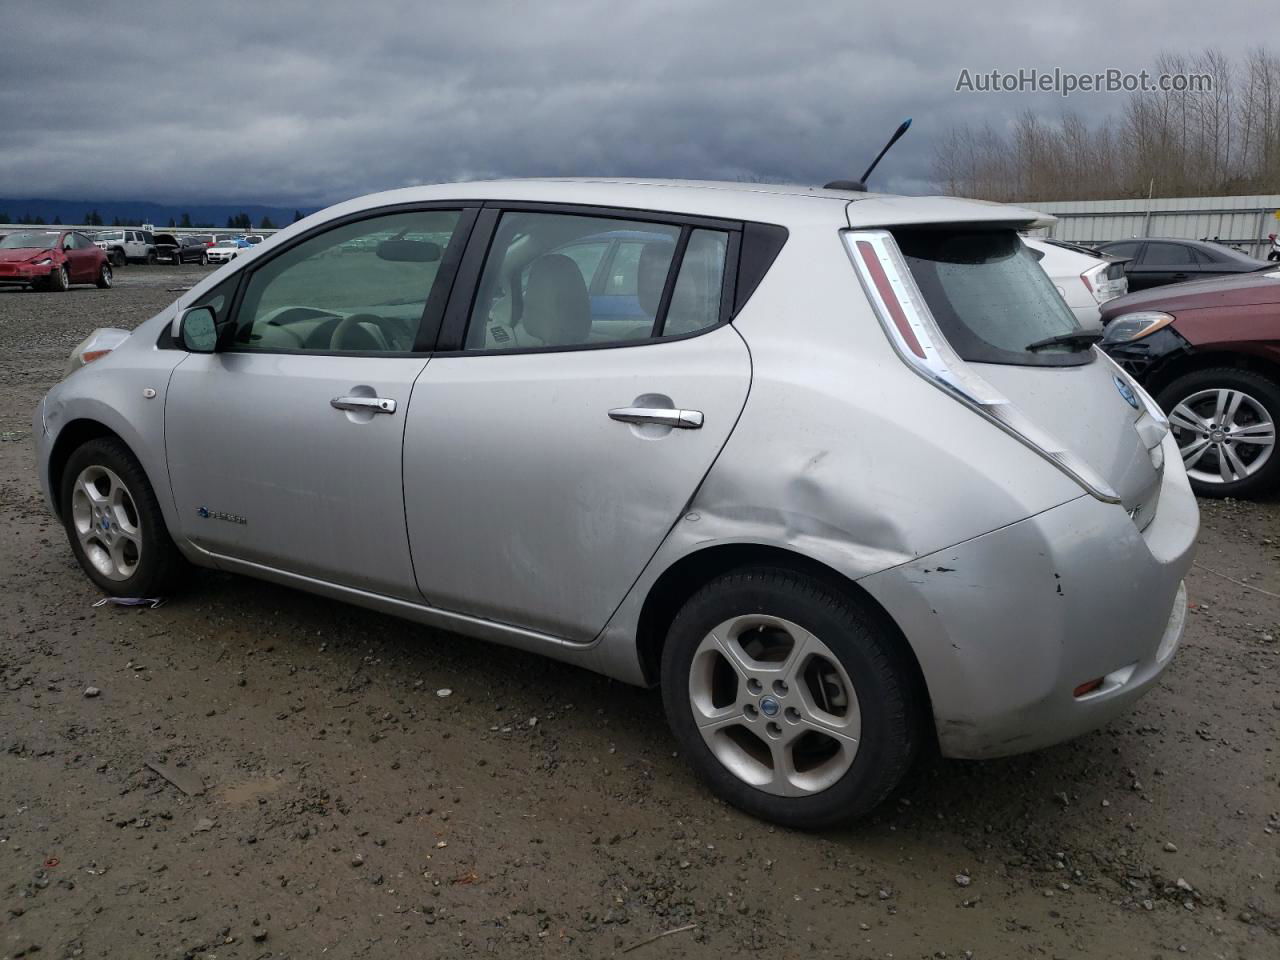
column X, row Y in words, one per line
column 990, row 297
column 1167, row 254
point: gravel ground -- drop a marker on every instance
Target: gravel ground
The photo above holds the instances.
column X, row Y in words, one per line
column 351, row 809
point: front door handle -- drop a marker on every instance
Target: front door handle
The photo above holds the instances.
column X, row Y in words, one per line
column 364, row 404
column 664, row 416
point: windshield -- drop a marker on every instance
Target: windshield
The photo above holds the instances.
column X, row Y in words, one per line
column 29, row 240
column 111, row 235
column 991, row 298
column 226, row 243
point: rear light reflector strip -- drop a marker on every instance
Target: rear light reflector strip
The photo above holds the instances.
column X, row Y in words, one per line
column 918, row 340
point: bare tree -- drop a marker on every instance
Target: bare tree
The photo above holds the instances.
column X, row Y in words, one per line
column 1219, row 140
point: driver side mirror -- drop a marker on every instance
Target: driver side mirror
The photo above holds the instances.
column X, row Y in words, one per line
column 199, row 330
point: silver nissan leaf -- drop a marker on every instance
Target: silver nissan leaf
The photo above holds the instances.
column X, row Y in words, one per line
column 839, row 472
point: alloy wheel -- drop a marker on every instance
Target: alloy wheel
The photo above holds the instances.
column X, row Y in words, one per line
column 1224, row 435
column 774, row 705
column 106, row 522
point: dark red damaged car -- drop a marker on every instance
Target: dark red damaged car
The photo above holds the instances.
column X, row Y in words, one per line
column 1209, row 352
column 52, row 260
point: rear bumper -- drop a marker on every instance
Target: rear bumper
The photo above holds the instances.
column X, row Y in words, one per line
column 1007, row 626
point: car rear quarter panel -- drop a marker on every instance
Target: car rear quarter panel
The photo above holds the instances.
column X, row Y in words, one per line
column 842, row 454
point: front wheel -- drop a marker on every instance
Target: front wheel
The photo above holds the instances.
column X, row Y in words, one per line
column 1224, row 421
column 151, row 258
column 114, row 524
column 59, row 280
column 793, row 700
column 104, row 276
column 118, row 258
column 204, row 259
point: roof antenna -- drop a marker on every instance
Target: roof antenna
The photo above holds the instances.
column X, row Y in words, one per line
column 860, row 185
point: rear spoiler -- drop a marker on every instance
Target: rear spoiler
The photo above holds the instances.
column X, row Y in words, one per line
column 880, row 210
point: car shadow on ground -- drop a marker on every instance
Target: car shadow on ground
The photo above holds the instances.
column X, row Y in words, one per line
column 936, row 796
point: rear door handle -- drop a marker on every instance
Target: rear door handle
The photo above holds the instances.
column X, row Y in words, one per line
column 663, row 416
column 364, row 404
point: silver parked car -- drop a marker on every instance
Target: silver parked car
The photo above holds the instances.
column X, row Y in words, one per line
column 839, row 472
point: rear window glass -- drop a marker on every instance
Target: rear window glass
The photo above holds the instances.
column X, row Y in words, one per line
column 991, row 298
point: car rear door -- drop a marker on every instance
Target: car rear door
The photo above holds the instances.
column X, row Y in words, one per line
column 284, row 448
column 548, row 451
column 1162, row 263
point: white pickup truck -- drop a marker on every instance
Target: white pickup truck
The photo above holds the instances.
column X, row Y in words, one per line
column 128, row 245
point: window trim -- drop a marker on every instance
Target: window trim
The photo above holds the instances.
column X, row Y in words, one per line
column 453, row 332
column 433, row 309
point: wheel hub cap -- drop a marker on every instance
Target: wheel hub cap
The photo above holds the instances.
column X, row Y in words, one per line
column 105, row 520
column 774, row 705
column 1224, row 435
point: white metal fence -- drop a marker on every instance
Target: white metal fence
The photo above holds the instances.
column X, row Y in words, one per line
column 1243, row 222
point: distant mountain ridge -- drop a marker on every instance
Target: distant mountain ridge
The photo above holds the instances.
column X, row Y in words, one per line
column 46, row 210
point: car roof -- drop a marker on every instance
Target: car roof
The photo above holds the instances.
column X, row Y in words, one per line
column 788, row 204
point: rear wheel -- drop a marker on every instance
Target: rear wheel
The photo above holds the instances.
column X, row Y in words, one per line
column 1224, row 421
column 793, row 700
column 114, row 523
column 104, row 276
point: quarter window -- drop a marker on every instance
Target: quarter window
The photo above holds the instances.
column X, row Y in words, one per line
column 358, row 288
column 1167, row 255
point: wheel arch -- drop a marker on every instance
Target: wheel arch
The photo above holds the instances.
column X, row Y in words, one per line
column 70, row 438
column 690, row 572
column 1192, row 361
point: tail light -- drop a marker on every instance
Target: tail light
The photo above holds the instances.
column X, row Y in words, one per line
column 919, row 342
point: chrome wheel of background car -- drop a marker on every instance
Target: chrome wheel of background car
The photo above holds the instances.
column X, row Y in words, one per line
column 1224, row 435
column 106, row 522
column 774, row 705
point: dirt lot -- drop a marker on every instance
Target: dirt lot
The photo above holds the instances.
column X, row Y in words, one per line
column 351, row 811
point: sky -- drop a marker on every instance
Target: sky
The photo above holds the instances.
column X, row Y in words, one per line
column 307, row 103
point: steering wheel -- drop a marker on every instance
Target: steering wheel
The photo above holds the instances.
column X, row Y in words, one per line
column 349, row 335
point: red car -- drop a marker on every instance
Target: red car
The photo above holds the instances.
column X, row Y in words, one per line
column 52, row 260
column 1209, row 352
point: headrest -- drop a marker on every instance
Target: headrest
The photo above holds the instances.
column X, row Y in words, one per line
column 557, row 307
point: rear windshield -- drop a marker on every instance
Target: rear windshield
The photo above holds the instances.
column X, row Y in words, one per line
column 991, row 298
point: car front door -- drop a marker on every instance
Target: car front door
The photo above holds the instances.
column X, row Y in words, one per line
column 81, row 263
column 549, row 451
column 284, row 447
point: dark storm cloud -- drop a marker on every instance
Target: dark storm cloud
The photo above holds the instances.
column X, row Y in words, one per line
column 293, row 103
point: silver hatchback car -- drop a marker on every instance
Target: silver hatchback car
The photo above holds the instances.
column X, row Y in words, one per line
column 839, row 472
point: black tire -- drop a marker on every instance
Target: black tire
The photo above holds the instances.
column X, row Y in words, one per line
column 151, row 258
column 889, row 699
column 59, row 280
column 160, row 568
column 118, row 258
column 204, row 259
column 1260, row 389
column 104, row 276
